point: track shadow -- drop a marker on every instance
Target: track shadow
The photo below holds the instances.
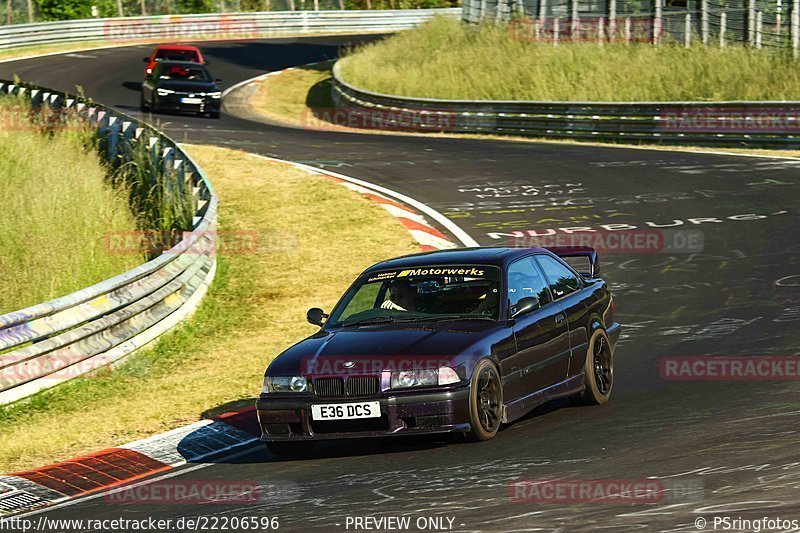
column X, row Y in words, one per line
column 132, row 85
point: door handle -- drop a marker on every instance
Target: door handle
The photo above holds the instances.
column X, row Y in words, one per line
column 559, row 319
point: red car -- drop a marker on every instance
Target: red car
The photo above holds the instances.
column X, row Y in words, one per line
column 173, row 52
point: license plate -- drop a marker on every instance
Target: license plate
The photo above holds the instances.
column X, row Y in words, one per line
column 191, row 100
column 346, row 411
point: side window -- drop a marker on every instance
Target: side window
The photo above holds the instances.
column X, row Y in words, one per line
column 562, row 280
column 524, row 280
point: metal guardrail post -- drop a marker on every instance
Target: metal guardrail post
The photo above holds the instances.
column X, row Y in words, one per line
column 704, row 34
column 612, row 19
column 723, row 27
column 751, row 22
column 657, row 22
column 795, row 29
column 687, row 31
column 759, row 28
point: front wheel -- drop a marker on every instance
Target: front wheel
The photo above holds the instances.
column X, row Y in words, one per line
column 142, row 104
column 485, row 402
column 292, row 450
column 598, row 371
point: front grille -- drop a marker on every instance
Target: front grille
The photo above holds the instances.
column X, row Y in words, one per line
column 366, row 386
column 330, row 387
column 352, row 386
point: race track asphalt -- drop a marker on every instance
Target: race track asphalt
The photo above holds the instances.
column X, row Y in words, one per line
column 735, row 444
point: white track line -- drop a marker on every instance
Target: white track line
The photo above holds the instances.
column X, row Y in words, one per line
column 446, row 223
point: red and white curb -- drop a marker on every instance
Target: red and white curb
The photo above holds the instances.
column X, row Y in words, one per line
column 34, row 489
column 413, row 214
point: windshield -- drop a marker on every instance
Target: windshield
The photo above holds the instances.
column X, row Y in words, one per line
column 183, row 73
column 458, row 292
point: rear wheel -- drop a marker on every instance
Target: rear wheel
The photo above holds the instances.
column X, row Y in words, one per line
column 485, row 402
column 293, row 450
column 598, row 371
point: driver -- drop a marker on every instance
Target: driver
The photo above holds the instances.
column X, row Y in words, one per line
column 401, row 297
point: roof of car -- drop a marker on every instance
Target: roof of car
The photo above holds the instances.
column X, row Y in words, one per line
column 185, row 47
column 498, row 256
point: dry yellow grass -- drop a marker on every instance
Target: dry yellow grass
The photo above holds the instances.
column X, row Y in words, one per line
column 315, row 237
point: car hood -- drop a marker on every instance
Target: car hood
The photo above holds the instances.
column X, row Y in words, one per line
column 189, row 86
column 375, row 348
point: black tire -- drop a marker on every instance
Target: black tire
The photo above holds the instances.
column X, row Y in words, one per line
column 142, row 104
column 485, row 402
column 214, row 114
column 292, row 450
column 598, row 370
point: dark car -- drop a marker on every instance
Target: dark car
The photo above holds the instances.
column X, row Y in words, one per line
column 456, row 341
column 181, row 86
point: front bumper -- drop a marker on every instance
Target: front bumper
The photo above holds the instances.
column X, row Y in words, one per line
column 287, row 417
column 172, row 102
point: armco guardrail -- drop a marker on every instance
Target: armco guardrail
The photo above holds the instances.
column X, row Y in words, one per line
column 70, row 336
column 746, row 124
column 227, row 26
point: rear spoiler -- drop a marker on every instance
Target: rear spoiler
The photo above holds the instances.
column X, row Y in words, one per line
column 584, row 259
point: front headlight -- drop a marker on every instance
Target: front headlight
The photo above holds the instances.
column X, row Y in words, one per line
column 284, row 384
column 424, row 378
column 216, row 95
column 164, row 92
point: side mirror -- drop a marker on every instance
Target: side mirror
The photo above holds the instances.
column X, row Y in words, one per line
column 524, row 306
column 315, row 316
column 206, row 62
column 145, row 60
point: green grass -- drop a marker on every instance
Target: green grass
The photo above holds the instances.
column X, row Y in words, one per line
column 446, row 59
column 58, row 206
column 255, row 308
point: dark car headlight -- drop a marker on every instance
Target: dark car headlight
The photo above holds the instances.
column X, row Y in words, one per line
column 284, row 384
column 216, row 95
column 407, row 379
